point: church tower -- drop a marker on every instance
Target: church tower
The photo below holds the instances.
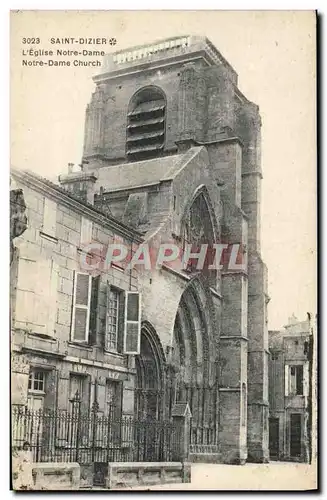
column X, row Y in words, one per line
column 158, row 112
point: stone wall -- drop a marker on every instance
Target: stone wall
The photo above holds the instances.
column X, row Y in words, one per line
column 129, row 474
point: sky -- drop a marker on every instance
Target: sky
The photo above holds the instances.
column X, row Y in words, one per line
column 273, row 53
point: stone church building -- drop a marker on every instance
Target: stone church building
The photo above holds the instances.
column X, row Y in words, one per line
column 172, row 154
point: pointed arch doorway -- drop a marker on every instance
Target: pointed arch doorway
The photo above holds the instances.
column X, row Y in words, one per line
column 149, row 364
column 194, row 377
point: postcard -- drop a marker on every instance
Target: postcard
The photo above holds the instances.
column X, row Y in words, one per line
column 163, row 250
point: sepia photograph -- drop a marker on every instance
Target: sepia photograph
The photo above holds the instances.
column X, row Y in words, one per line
column 163, row 250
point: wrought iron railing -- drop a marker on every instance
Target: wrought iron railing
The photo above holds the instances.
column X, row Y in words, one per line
column 60, row 436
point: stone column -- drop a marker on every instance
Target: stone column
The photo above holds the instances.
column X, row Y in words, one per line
column 94, row 124
column 191, row 84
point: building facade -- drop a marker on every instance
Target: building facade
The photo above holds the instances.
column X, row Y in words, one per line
column 290, row 391
column 67, row 326
column 171, row 155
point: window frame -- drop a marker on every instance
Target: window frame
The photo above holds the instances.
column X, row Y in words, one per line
column 107, row 346
column 288, row 374
column 32, row 378
column 81, row 306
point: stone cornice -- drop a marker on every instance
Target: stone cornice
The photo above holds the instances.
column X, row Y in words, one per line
column 255, row 172
column 224, row 140
column 162, row 53
column 149, row 66
column 233, row 337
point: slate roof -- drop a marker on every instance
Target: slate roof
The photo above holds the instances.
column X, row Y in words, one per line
column 142, row 173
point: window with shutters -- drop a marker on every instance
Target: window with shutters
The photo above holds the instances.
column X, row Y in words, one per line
column 146, row 124
column 81, row 307
column 132, row 330
column 294, row 380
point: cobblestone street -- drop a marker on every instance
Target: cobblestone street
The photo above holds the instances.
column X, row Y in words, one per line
column 272, row 476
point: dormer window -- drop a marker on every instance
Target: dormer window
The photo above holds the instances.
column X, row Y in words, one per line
column 146, row 124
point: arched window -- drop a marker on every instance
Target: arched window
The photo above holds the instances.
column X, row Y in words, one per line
column 146, row 124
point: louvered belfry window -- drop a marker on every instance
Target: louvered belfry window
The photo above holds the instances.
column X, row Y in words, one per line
column 146, row 124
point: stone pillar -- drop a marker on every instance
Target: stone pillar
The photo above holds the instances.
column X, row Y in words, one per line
column 187, row 107
column 94, row 124
column 258, row 405
column 233, row 368
column 248, row 128
column 221, row 102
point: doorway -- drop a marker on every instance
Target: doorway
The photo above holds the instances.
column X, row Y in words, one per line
column 149, row 380
column 296, row 431
column 274, row 438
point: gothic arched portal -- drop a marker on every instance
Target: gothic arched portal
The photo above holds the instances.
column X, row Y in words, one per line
column 149, row 376
column 194, row 361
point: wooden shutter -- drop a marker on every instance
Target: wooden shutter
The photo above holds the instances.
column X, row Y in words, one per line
column 306, row 379
column 93, row 326
column 132, row 330
column 121, row 323
column 81, row 306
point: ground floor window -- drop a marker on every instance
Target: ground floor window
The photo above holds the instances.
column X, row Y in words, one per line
column 113, row 398
column 36, row 380
column 36, row 389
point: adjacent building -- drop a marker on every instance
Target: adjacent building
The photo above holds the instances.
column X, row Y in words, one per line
column 291, row 391
column 171, row 154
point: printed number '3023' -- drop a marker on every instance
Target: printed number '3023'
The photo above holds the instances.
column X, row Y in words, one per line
column 31, row 40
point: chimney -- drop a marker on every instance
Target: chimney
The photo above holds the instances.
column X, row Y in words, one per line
column 80, row 184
